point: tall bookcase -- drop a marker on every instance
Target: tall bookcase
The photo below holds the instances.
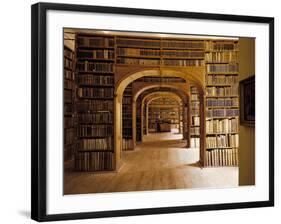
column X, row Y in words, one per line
column 127, row 123
column 194, row 118
column 161, row 110
column 222, row 103
column 95, row 102
column 69, row 99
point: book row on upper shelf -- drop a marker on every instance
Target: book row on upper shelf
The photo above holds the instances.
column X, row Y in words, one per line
column 95, row 92
column 96, row 144
column 68, row 95
column 127, row 132
column 68, row 74
column 166, row 62
column 97, row 130
column 98, row 80
column 95, row 54
column 231, row 56
column 87, row 66
column 222, row 102
column 221, row 68
column 222, row 126
column 95, row 41
column 222, row 113
column 222, row 157
column 221, row 79
column 94, row 161
column 141, row 52
column 94, row 105
column 222, row 91
column 220, row 141
column 96, row 118
column 221, row 46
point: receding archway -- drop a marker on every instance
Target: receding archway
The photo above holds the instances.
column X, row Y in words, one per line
column 192, row 75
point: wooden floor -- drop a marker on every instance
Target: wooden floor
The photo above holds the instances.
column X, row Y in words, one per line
column 160, row 162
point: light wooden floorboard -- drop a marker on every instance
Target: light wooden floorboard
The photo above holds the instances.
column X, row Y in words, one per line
column 160, row 162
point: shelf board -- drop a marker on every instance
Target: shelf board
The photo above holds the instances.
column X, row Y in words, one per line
column 96, row 59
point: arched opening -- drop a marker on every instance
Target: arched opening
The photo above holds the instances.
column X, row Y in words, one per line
column 194, row 76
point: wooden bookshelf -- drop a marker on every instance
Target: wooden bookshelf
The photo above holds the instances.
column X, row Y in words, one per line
column 69, row 99
column 194, row 118
column 127, row 123
column 94, row 78
column 222, row 103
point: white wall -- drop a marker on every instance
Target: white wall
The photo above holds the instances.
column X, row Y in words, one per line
column 15, row 110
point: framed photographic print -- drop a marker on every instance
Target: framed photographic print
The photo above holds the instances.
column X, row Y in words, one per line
column 247, row 101
column 137, row 111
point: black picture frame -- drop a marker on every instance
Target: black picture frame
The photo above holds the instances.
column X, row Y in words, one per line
column 39, row 108
column 247, row 101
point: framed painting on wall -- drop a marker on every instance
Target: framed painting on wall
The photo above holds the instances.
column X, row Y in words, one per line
column 130, row 106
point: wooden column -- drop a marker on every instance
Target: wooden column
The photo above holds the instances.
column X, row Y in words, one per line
column 134, row 122
column 146, row 118
column 202, row 99
column 188, row 123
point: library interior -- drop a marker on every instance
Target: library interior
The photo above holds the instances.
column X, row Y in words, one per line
column 149, row 111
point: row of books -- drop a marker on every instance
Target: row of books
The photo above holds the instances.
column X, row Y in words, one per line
column 95, row 41
column 222, row 68
column 183, row 54
column 221, row 46
column 97, row 130
column 69, row 136
column 195, row 120
column 96, row 144
column 68, row 63
column 67, row 96
column 195, row 104
column 127, row 100
column 68, row 53
column 127, row 144
column 193, row 90
column 183, row 44
column 68, row 74
column 127, row 123
column 222, row 157
column 136, row 61
column 161, row 79
column 222, row 91
column 93, row 161
column 222, row 113
column 195, row 130
column 68, row 84
column 68, row 122
column 220, row 141
column 222, row 102
column 137, row 52
column 183, row 62
column 95, row 54
column 194, row 142
column 222, row 56
column 90, row 79
column 96, row 118
column 95, row 92
column 221, row 79
column 194, row 97
column 87, row 66
column 94, row 105
column 137, row 42
column 222, row 126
